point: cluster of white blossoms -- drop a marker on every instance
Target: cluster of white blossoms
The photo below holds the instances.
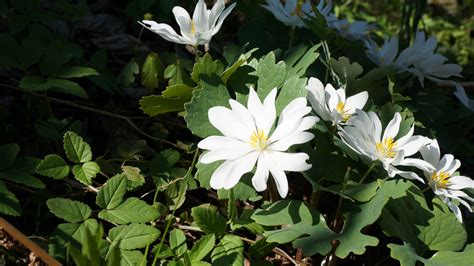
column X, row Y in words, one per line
column 196, row 31
column 419, row 59
column 294, row 12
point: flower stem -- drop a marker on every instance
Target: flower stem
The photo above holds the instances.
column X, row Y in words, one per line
column 292, row 35
column 367, row 173
column 425, row 189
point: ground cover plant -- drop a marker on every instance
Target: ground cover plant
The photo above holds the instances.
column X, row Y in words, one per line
column 236, row 132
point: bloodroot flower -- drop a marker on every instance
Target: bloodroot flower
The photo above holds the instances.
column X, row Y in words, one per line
column 444, row 180
column 248, row 140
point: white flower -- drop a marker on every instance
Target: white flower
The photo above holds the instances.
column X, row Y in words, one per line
column 363, row 134
column 196, row 31
column 384, row 56
column 248, row 139
column 353, row 31
column 331, row 104
column 294, row 11
column 442, row 178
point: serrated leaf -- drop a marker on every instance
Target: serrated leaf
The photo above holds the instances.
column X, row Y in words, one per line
column 77, row 150
column 9, row 204
column 178, row 242
column 127, row 75
column 133, row 236
column 229, row 251
column 111, row 194
column 69, row 210
column 208, row 219
column 424, row 229
column 133, row 174
column 85, row 172
column 270, row 74
column 238, row 63
column 21, row 177
column 407, row 256
column 299, row 58
column 76, row 72
column 202, row 247
column 211, row 94
column 206, row 66
column 53, row 166
column 131, row 257
column 8, row 153
column 152, row 72
column 74, row 233
column 346, row 71
column 293, row 88
column 132, row 210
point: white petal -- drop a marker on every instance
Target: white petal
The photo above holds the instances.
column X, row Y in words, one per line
column 226, row 153
column 460, row 182
column 244, row 114
column 455, row 210
column 418, row 163
column 216, row 11
column 413, row 145
column 445, row 162
column 200, row 17
column 294, row 162
column 285, row 143
column 317, row 99
column 222, row 17
column 219, row 142
column 264, row 114
column 377, row 125
column 290, row 119
column 219, row 176
column 260, row 179
column 281, row 181
column 431, row 152
column 393, row 127
column 332, row 97
column 165, row 31
column 357, row 101
column 242, row 166
column 229, row 123
column 184, row 21
column 403, row 140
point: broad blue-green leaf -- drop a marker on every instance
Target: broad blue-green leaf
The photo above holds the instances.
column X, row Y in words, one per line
column 360, row 192
column 76, row 72
column 69, row 210
column 8, row 154
column 211, row 94
column 133, row 236
column 229, row 251
column 238, row 63
column 208, row 219
column 53, row 166
column 178, row 242
column 132, row 210
column 77, row 150
column 202, row 247
column 111, row 194
column 21, row 177
column 171, row 100
column 85, row 172
column 410, row 219
column 351, row 239
column 152, row 72
column 407, row 256
column 299, row 58
column 270, row 74
column 9, row 204
column 293, row 88
column 346, row 71
column 205, row 66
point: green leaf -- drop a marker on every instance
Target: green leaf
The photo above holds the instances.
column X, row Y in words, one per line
column 229, row 251
column 34, row 83
column 127, row 75
column 66, row 86
column 76, row 72
column 77, row 150
column 407, row 256
column 360, row 192
column 293, row 88
column 178, row 242
column 172, row 100
column 53, row 166
column 211, row 94
column 111, row 194
column 410, row 219
column 205, row 66
column 351, row 239
column 9, row 204
column 132, row 210
column 208, row 219
column 202, row 247
column 85, row 172
column 74, row 233
column 23, row 178
column 133, row 175
column 133, row 236
column 8, row 153
column 57, row 54
column 270, row 74
column 346, row 71
column 69, row 210
column 299, row 58
column 238, row 63
column 152, row 72
column 131, row 257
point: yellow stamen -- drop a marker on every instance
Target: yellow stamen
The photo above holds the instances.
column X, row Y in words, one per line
column 258, row 140
column 193, row 27
column 298, row 9
column 385, row 148
column 441, row 178
column 340, row 108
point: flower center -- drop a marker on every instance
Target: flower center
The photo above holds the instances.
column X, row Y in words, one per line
column 340, row 108
column 193, row 28
column 385, row 148
column 259, row 140
column 440, row 178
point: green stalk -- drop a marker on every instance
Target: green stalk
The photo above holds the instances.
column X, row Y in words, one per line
column 367, row 172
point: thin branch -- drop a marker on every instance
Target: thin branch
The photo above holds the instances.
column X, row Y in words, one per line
column 278, row 251
column 94, row 110
column 81, row 186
